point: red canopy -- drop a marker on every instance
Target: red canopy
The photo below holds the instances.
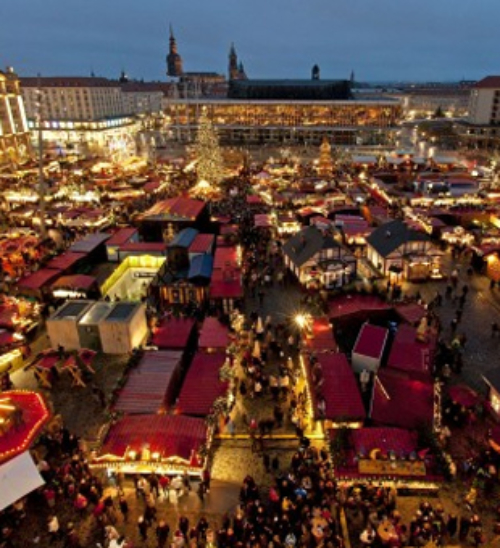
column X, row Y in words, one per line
column 401, row 401
column 39, row 279
column 202, row 385
column 398, row 440
column 340, row 390
column 411, row 312
column 213, row 335
column 173, row 333
column 34, row 414
column 410, row 355
column 168, row 435
column 76, row 281
column 65, row 261
column 152, row 385
column 463, row 395
column 321, row 339
column 350, row 305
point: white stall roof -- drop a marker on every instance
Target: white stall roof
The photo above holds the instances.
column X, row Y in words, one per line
column 18, row 477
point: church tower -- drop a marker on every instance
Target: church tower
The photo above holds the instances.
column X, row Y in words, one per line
column 233, row 64
column 174, row 60
column 315, row 73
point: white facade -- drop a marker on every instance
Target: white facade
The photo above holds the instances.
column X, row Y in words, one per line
column 483, row 106
column 143, row 102
column 75, row 99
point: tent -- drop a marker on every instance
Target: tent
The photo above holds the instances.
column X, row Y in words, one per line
column 18, row 477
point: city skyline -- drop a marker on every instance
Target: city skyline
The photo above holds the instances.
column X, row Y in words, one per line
column 447, row 40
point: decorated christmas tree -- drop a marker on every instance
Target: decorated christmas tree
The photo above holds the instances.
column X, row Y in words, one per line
column 209, row 165
column 325, row 164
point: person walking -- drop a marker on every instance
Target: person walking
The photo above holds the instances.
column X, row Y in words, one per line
column 206, row 478
column 165, row 486
column 143, row 528
column 162, row 533
column 123, row 504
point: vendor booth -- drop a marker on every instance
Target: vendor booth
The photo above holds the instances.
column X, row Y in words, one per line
column 77, row 286
column 131, row 279
column 153, row 385
column 88, row 325
column 214, row 337
column 174, row 333
column 164, row 444
column 124, row 328
column 62, row 326
column 369, row 348
column 202, row 385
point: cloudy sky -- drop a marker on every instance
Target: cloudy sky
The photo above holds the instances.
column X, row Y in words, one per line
column 378, row 39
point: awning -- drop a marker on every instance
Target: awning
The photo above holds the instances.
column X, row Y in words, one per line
column 18, row 477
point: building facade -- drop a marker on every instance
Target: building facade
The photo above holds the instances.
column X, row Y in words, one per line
column 287, row 121
column 15, row 145
column 482, row 129
column 82, row 114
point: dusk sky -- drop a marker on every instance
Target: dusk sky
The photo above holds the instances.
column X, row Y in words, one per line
column 378, row 39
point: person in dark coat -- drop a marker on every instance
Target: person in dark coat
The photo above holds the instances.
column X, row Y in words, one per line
column 452, row 525
column 162, row 532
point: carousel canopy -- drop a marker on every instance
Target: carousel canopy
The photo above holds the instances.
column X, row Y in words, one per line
column 22, row 416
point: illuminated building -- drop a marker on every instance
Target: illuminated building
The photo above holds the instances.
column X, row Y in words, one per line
column 482, row 129
column 257, row 121
column 85, row 114
column 14, row 135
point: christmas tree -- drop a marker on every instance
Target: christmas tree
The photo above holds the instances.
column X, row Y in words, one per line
column 209, row 164
column 325, row 164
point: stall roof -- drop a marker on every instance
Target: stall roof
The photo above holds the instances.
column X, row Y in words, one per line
column 96, row 313
column 65, row 261
column 321, row 338
column 71, row 309
column 226, row 256
column 169, row 435
column 410, row 355
column 173, row 333
column 401, row 401
column 371, row 341
column 203, row 243
column 340, row 389
column 263, row 220
column 202, row 385
column 411, row 312
column 226, row 284
column 201, row 267
column 386, row 439
column 122, row 236
column 151, row 384
column 122, row 312
column 184, row 238
column 77, row 281
column 350, row 305
column 39, row 279
column 175, row 209
column 143, row 247
column 90, row 242
column 213, row 334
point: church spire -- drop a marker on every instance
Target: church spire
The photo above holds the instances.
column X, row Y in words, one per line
column 233, row 63
column 174, row 60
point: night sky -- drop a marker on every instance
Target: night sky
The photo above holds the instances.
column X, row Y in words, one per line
column 378, row 39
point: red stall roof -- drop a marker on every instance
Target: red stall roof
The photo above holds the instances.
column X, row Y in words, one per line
column 410, row 355
column 179, row 208
column 65, row 261
column 39, row 279
column 90, row 242
column 151, row 386
column 401, row 401
column 122, row 236
column 340, row 389
column 350, row 305
column 321, row 339
column 226, row 257
column 213, row 334
column 371, row 341
column 202, row 385
column 398, row 440
column 263, row 220
column 144, row 247
column 77, row 281
column 169, row 435
column 411, row 312
column 226, row 284
column 202, row 243
column 173, row 333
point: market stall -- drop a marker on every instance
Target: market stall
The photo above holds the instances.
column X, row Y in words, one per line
column 174, row 333
column 214, row 337
column 153, row 385
column 202, row 385
column 369, row 348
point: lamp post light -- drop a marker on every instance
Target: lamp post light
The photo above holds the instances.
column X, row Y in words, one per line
column 41, row 178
